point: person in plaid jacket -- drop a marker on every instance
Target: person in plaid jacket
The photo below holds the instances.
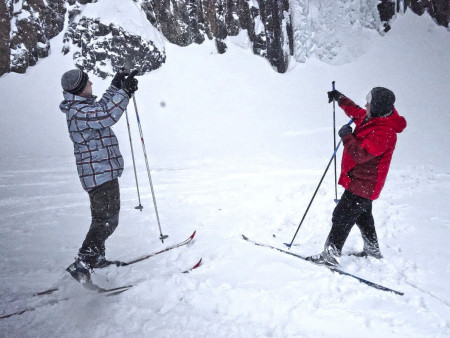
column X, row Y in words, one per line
column 98, row 158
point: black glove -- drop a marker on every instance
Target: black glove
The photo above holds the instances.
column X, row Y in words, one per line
column 130, row 84
column 118, row 79
column 334, row 95
column 345, row 130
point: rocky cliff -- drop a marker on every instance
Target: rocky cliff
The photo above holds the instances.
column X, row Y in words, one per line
column 100, row 48
column 26, row 28
column 277, row 29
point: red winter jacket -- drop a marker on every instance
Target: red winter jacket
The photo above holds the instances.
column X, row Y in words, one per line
column 368, row 150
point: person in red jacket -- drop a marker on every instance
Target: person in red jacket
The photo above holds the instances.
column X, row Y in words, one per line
column 365, row 163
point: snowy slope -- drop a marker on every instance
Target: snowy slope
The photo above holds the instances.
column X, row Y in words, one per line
column 237, row 148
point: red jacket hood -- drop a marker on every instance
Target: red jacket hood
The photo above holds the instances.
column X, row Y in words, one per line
column 394, row 121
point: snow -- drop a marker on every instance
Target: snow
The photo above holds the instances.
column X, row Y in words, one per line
column 128, row 13
column 336, row 32
column 237, row 148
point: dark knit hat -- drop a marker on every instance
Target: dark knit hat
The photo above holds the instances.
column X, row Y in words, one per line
column 74, row 81
column 381, row 102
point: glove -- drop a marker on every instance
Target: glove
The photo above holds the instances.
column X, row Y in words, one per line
column 334, row 95
column 118, row 79
column 345, row 130
column 130, row 84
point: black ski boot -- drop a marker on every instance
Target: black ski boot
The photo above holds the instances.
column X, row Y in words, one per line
column 100, row 261
column 364, row 254
column 371, row 249
column 79, row 270
column 329, row 257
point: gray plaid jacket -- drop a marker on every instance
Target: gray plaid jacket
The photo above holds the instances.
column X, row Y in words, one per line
column 96, row 147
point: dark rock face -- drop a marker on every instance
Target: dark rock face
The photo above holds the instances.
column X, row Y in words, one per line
column 387, row 10
column 36, row 22
column 5, row 24
column 26, row 26
column 438, row 9
column 173, row 18
column 98, row 46
column 276, row 19
column 267, row 24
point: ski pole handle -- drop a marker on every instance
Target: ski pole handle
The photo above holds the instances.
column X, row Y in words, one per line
column 334, row 137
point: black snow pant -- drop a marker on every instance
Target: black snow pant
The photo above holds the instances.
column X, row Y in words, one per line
column 105, row 207
column 351, row 210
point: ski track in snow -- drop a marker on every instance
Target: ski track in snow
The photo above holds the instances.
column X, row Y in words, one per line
column 240, row 290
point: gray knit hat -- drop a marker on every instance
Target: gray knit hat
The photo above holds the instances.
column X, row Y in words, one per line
column 74, row 81
column 381, row 102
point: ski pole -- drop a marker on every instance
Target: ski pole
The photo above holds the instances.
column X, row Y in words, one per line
column 161, row 237
column 317, row 189
column 139, row 207
column 334, row 142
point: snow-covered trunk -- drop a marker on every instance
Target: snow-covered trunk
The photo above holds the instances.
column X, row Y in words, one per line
column 5, row 26
column 232, row 17
column 277, row 30
column 220, row 30
column 256, row 29
column 195, row 21
column 387, row 11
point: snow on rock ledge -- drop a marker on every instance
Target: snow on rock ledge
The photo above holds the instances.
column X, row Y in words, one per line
column 103, row 49
column 26, row 28
column 106, row 34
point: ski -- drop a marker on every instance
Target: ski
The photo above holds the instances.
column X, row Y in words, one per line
column 120, row 263
column 100, row 290
column 142, row 258
column 359, row 279
column 194, row 267
column 91, row 286
column 29, row 309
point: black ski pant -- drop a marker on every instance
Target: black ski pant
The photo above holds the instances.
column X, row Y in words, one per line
column 105, row 207
column 351, row 210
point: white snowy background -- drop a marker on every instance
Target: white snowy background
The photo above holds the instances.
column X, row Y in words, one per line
column 235, row 148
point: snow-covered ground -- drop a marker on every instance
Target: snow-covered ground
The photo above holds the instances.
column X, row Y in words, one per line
column 236, row 149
